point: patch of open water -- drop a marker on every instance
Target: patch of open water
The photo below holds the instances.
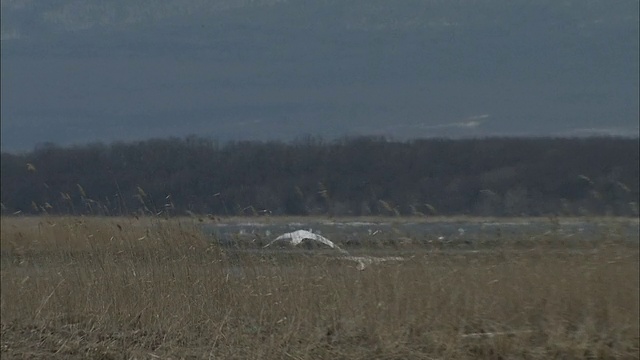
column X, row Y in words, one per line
column 364, row 231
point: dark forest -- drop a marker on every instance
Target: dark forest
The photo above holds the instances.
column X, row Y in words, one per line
column 312, row 176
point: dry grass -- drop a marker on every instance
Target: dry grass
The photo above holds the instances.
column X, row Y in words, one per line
column 90, row 288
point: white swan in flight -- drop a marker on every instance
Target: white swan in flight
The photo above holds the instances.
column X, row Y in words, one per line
column 297, row 236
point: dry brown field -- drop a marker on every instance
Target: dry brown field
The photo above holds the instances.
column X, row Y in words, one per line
column 127, row 288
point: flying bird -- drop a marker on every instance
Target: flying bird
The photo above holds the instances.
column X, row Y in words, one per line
column 297, row 236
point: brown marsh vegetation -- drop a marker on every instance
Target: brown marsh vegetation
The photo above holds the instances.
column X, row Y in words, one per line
column 126, row 288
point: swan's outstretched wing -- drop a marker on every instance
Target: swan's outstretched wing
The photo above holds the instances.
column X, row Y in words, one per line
column 316, row 237
column 287, row 236
column 297, row 236
column 294, row 238
column 319, row 238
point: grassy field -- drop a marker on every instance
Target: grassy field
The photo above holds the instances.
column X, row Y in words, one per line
column 126, row 288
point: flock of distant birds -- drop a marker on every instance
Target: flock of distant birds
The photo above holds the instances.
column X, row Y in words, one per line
column 298, row 236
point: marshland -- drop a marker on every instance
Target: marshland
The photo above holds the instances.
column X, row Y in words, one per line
column 469, row 249
column 148, row 287
column 369, row 179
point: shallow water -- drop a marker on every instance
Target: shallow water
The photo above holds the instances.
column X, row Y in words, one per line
column 455, row 238
column 364, row 231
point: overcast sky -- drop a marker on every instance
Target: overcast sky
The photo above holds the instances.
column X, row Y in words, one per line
column 75, row 72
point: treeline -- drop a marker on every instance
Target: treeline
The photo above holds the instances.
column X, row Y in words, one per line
column 352, row 176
